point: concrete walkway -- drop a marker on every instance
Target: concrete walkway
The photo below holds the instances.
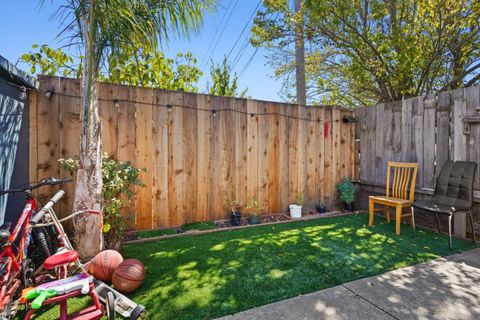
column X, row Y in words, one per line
column 446, row 288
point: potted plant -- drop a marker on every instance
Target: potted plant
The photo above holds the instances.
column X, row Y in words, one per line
column 235, row 213
column 255, row 210
column 296, row 209
column 347, row 191
column 321, row 207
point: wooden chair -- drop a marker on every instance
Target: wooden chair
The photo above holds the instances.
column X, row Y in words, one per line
column 399, row 195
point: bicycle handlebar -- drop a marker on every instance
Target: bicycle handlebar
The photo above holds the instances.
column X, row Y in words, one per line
column 41, row 213
column 44, row 182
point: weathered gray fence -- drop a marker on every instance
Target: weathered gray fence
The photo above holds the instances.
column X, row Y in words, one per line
column 429, row 130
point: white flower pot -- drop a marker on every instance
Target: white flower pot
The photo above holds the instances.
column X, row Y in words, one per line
column 295, row 211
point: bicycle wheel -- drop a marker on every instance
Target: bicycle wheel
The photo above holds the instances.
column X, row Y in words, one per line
column 27, row 273
column 110, row 306
column 43, row 250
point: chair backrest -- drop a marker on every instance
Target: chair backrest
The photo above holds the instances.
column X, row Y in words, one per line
column 403, row 182
column 455, row 184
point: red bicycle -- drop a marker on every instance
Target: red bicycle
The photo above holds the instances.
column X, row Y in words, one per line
column 23, row 250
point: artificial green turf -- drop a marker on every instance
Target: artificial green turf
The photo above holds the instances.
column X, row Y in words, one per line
column 154, row 233
column 211, row 275
column 208, row 276
column 199, row 226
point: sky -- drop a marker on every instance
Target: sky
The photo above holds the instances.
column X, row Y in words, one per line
column 24, row 22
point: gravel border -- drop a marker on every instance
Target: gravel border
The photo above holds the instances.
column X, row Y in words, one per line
column 197, row 232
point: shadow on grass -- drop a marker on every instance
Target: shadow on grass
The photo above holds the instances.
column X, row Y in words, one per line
column 208, row 276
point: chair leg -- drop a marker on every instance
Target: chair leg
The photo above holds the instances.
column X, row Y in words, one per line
column 371, row 205
column 387, row 213
column 438, row 222
column 413, row 221
column 471, row 224
column 398, row 218
column 450, row 232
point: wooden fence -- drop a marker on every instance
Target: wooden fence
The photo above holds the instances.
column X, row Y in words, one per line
column 197, row 149
column 429, row 130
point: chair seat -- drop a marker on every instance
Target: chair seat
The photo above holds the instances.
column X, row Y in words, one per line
column 437, row 207
column 390, row 200
column 60, row 259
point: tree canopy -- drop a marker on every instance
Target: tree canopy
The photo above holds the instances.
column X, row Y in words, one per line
column 136, row 68
column 223, row 82
column 360, row 52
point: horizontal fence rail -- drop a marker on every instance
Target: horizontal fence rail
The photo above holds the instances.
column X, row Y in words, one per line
column 198, row 150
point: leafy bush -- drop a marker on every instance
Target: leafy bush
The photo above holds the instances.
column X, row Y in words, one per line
column 347, row 191
column 255, row 209
column 299, row 198
column 118, row 177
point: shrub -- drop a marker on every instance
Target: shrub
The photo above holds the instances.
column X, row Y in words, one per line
column 347, row 191
column 118, row 177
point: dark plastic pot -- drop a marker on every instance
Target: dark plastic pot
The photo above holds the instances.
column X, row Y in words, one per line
column 235, row 218
column 254, row 220
column 348, row 206
column 321, row 208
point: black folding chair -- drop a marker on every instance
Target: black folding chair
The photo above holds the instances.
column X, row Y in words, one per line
column 453, row 194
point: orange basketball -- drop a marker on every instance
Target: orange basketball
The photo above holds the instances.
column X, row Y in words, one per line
column 128, row 276
column 104, row 264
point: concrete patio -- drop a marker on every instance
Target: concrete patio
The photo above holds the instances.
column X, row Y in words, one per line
column 445, row 288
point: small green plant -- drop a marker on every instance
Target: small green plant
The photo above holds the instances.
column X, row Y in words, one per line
column 232, row 205
column 255, row 209
column 299, row 198
column 347, row 191
column 118, row 177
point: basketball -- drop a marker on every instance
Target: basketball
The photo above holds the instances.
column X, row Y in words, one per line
column 128, row 276
column 104, row 264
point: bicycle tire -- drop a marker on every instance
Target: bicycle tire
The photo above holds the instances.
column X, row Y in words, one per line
column 42, row 243
column 110, row 306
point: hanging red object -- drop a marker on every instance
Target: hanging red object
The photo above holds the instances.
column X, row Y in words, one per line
column 326, row 129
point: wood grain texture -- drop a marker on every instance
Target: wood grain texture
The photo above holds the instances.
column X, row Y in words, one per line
column 428, row 130
column 193, row 158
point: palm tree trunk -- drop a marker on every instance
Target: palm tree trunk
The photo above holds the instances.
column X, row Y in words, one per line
column 88, row 192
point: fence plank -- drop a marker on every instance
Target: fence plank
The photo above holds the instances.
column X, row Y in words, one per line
column 443, row 131
column 320, row 153
column 397, row 130
column 69, row 139
column 108, row 116
column 293, row 153
column 363, row 136
column 48, row 135
column 241, row 151
column 328, row 163
column 379, row 158
column 429, row 142
column 283, row 158
column 204, row 138
column 126, row 143
column 262, row 133
column 33, row 134
column 160, row 209
column 252, row 155
column 371, row 144
column 311, row 187
column 272, row 158
column 407, row 106
column 459, row 143
column 144, row 125
column 417, row 137
column 190, row 156
column 472, row 103
column 336, row 172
